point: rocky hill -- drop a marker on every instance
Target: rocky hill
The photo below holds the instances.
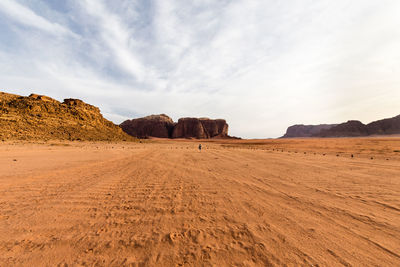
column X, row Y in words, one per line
column 350, row 128
column 163, row 126
column 41, row 117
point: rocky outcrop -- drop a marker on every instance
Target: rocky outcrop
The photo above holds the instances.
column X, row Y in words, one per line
column 42, row 117
column 215, row 128
column 301, row 130
column 189, row 128
column 163, row 126
column 150, row 126
column 351, row 128
column 200, row 128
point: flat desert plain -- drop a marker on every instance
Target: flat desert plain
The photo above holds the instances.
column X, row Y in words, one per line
column 298, row 202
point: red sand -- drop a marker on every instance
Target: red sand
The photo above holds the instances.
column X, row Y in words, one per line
column 236, row 203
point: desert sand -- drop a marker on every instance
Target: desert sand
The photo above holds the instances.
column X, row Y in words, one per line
column 297, row 202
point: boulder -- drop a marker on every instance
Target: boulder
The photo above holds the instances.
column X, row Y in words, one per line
column 42, row 98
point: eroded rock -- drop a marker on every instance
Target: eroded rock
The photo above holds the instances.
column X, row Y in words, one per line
column 163, row 126
column 41, row 117
column 150, row 126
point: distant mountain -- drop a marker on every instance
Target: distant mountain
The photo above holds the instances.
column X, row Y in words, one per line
column 350, row 128
column 347, row 129
column 385, row 126
column 41, row 117
column 300, row 130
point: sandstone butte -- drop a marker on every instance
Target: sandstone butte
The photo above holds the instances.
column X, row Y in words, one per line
column 163, row 126
column 42, row 117
column 352, row 128
column 154, row 126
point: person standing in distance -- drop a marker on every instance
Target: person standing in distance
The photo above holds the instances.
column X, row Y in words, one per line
column 200, row 147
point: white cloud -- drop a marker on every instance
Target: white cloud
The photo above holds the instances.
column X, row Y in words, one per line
column 26, row 16
column 117, row 37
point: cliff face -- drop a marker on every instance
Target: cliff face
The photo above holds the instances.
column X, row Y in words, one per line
column 300, row 130
column 41, row 117
column 189, row 128
column 154, row 125
column 163, row 126
column 348, row 129
column 215, row 128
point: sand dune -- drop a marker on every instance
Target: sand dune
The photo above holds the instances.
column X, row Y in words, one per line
column 236, row 203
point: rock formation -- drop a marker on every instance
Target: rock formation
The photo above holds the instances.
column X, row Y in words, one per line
column 41, row 117
column 190, row 128
column 154, row 126
column 351, row 128
column 301, row 130
column 215, row 128
column 163, row 126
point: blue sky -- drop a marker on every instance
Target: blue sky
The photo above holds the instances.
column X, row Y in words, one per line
column 261, row 65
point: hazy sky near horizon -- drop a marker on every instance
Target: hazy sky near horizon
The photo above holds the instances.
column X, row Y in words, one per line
column 261, row 65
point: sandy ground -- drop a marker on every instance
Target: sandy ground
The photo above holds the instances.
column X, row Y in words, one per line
column 236, row 203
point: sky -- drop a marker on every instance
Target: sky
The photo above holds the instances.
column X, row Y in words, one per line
column 261, row 65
